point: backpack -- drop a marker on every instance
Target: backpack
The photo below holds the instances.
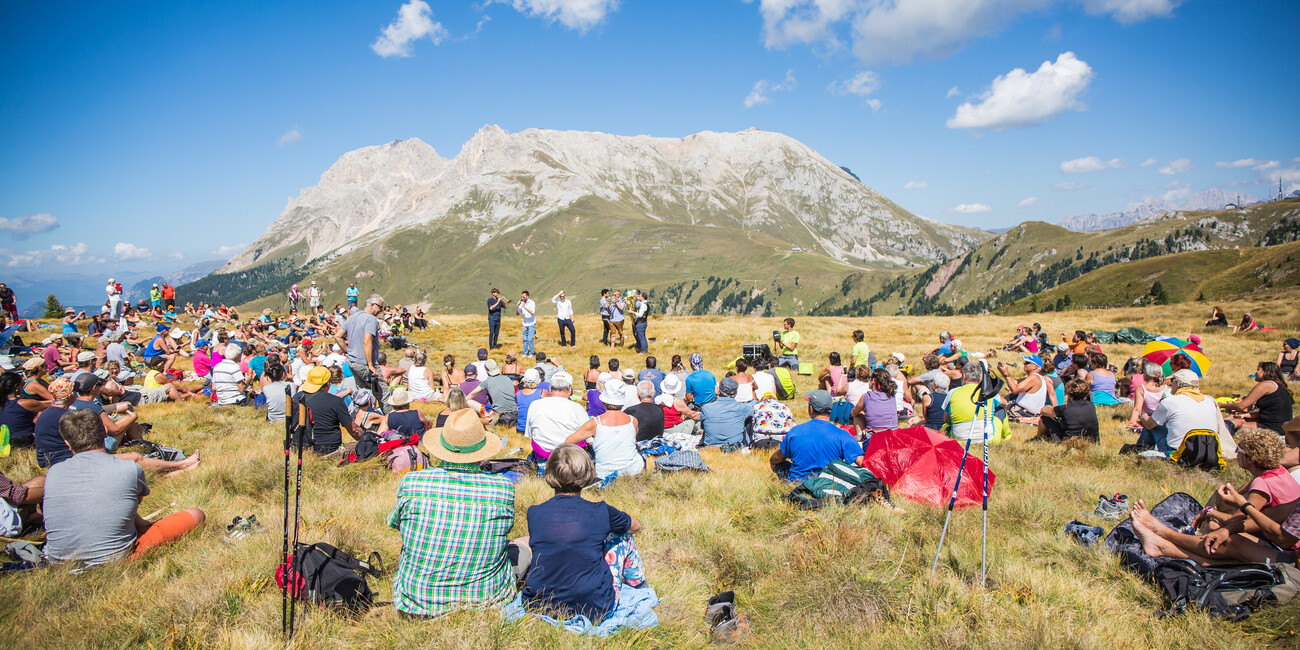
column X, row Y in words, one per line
column 784, row 382
column 1200, row 448
column 406, row 459
column 838, row 482
column 841, row 412
column 324, row 575
column 150, row 449
column 1227, row 591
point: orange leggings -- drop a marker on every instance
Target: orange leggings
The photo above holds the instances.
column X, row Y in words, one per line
column 168, row 529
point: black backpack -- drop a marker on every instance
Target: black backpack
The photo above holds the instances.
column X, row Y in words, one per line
column 1246, row 586
column 331, row 577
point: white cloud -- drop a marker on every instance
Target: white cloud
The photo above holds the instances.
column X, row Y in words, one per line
column 124, row 251
column 414, row 22
column 1127, row 12
column 581, row 15
column 1289, row 176
column 862, row 84
column 1148, row 162
column 292, row 136
column 1177, row 167
column 1244, row 162
column 952, row 92
column 1019, row 98
column 1027, row 202
column 228, row 251
column 26, row 226
column 74, row 255
column 969, row 208
column 1177, row 192
column 904, row 30
column 1071, row 186
column 916, row 185
column 1091, row 164
column 176, row 256
column 1264, row 166
column 762, row 88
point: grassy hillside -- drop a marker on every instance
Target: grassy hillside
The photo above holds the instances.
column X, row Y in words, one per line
column 1034, row 257
column 595, row 245
column 838, row 577
column 1202, row 275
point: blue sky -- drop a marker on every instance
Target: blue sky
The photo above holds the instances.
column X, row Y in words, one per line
column 149, row 137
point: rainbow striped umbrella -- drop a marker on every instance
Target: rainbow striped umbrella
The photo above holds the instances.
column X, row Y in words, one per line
column 1165, row 348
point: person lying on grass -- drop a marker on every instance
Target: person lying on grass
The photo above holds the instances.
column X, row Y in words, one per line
column 811, row 446
column 91, row 502
column 582, row 551
column 1236, row 540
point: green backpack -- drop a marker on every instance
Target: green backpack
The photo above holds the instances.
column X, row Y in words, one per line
column 838, row 482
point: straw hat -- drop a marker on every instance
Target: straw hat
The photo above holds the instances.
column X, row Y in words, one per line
column 399, row 397
column 461, row 440
column 32, row 364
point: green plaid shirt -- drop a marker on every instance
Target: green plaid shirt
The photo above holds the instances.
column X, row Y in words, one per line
column 453, row 520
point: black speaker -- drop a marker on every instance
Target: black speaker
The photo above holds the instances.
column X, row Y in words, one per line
column 754, row 351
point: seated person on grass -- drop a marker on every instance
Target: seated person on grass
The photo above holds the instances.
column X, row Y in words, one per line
column 724, row 420
column 453, row 520
column 324, row 414
column 811, row 446
column 1184, row 411
column 160, row 387
column 612, row 435
column 552, row 419
column 1235, row 540
column 1076, row 418
column 878, row 408
column 1030, row 393
column 582, row 551
column 1259, row 451
column 20, row 504
column 91, row 502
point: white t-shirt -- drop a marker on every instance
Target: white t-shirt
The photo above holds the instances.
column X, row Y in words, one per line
column 856, row 389
column 766, row 384
column 528, row 309
column 225, row 379
column 551, row 420
column 1181, row 414
column 563, row 309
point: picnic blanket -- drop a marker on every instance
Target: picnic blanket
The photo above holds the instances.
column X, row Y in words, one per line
column 633, row 611
column 1131, row 335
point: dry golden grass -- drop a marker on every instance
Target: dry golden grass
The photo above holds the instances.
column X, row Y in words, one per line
column 849, row 576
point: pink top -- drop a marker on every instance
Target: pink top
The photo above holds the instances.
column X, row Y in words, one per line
column 202, row 364
column 1278, row 485
column 1151, row 399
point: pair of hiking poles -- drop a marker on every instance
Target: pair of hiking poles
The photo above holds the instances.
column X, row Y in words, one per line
column 989, row 388
column 293, row 423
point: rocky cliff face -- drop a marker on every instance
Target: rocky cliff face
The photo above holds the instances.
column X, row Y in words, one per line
column 499, row 182
column 1211, row 199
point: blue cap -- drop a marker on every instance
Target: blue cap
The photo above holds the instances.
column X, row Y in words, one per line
column 202, row 342
column 163, row 327
column 1034, row 359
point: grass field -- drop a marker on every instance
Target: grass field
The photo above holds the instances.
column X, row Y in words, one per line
column 839, row 577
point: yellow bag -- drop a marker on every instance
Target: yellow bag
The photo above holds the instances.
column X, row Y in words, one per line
column 5, row 448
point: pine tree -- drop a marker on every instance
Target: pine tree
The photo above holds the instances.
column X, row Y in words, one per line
column 53, row 308
column 1066, row 300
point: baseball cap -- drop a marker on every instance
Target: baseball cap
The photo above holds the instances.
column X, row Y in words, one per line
column 306, row 343
column 1034, row 359
column 177, row 333
column 728, row 387
column 316, row 378
column 899, row 356
column 471, row 370
column 819, row 401
column 559, row 376
column 85, row 356
column 482, row 354
column 163, row 327
column 1186, row 377
column 32, row 364
column 86, row 382
column 493, row 369
column 1062, row 347
column 531, row 376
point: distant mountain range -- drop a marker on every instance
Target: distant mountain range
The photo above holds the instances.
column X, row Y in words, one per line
column 1212, row 199
column 86, row 290
column 545, row 209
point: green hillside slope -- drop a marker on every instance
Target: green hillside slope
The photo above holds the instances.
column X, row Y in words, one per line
column 1208, row 275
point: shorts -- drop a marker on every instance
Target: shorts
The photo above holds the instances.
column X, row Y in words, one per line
column 156, row 395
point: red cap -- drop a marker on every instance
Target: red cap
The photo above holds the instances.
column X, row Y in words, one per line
column 306, row 342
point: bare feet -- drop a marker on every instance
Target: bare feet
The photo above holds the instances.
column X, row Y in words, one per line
column 185, row 465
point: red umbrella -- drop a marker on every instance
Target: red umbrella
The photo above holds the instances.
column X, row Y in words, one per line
column 922, row 465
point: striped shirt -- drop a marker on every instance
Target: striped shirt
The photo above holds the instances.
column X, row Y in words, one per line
column 453, row 520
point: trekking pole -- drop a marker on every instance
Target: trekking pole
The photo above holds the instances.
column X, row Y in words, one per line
column 984, row 532
column 951, row 503
column 284, row 553
column 295, row 573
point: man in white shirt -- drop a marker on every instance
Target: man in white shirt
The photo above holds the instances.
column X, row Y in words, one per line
column 335, row 357
column 1183, row 411
column 639, row 319
column 313, row 294
column 527, row 309
column 553, row 419
column 564, row 317
column 228, row 381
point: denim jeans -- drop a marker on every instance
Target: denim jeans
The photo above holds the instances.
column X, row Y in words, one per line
column 494, row 331
column 790, row 361
column 642, row 344
column 1157, row 438
column 529, row 331
column 567, row 324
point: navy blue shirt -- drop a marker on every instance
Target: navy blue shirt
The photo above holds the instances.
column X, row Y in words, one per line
column 567, row 536
column 653, row 375
column 494, row 312
column 811, row 446
column 51, row 449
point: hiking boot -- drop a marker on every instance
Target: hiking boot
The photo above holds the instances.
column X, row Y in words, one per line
column 1085, row 534
column 724, row 623
column 1112, row 507
column 241, row 527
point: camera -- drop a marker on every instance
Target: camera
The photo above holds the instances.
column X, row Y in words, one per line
column 776, row 335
